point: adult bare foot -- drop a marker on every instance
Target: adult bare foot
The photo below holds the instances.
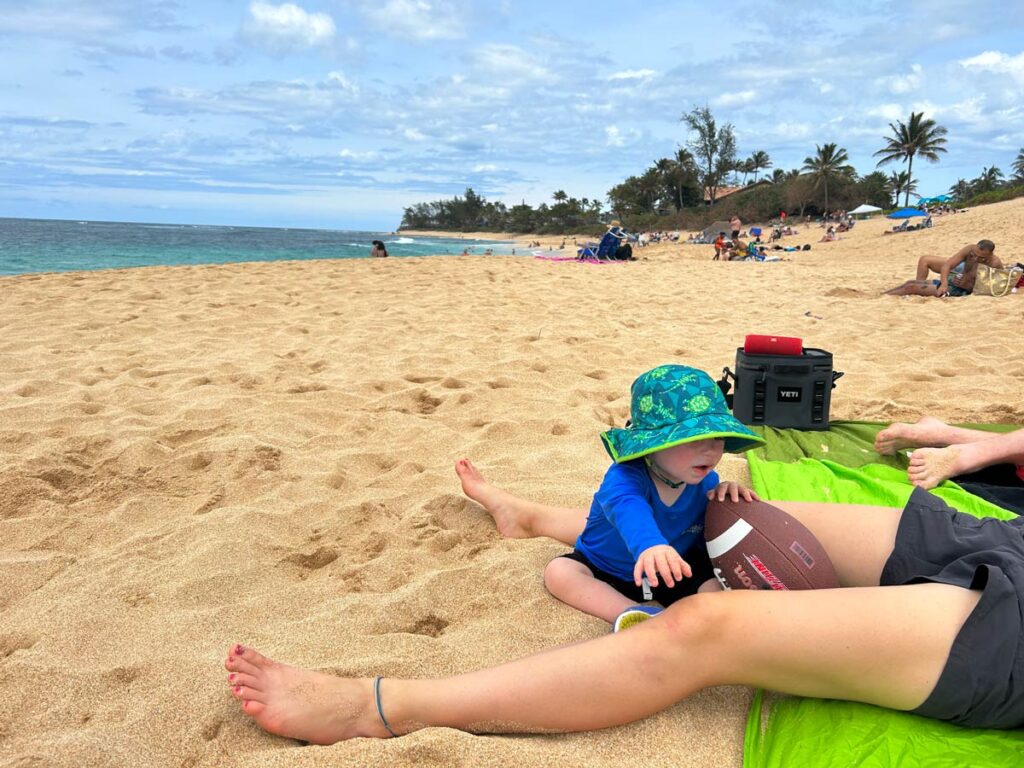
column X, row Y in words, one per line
column 506, row 509
column 300, row 703
column 931, row 466
column 927, row 431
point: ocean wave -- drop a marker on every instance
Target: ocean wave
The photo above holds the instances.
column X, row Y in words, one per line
column 401, row 241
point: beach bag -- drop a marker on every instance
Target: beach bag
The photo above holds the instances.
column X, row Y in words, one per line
column 996, row 282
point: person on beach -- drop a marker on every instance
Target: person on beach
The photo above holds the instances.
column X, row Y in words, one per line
column 970, row 256
column 735, row 224
column 644, row 537
column 930, row 623
column 942, row 452
column 720, row 247
column 378, row 251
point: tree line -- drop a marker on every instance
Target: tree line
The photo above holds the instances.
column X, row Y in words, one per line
column 681, row 191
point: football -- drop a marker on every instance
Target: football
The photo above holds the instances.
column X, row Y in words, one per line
column 753, row 545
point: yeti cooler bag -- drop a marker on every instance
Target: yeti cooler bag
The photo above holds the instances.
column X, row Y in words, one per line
column 783, row 390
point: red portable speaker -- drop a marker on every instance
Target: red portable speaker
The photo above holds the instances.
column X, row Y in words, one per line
column 760, row 344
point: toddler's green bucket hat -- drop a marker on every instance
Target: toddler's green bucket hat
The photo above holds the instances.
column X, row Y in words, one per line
column 672, row 405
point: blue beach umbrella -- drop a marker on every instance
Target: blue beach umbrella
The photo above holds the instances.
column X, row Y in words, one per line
column 906, row 213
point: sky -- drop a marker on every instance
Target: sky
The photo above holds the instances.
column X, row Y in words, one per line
column 338, row 113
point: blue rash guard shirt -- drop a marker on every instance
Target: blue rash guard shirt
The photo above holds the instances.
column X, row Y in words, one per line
column 627, row 516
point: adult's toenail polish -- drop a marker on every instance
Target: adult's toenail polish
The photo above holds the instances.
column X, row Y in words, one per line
column 237, row 689
column 239, row 649
column 231, row 677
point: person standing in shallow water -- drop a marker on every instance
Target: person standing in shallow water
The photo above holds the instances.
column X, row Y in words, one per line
column 378, row 251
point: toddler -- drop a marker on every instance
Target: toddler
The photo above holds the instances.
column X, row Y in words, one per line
column 646, row 522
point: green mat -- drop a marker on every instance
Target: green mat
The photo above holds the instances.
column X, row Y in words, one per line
column 841, row 466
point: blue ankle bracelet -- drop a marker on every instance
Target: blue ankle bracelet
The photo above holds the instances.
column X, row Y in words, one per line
column 380, row 710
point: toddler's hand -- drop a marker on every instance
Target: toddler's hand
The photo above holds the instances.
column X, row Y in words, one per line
column 733, row 491
column 663, row 559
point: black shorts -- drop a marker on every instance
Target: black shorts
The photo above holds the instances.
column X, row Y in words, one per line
column 982, row 684
column 697, row 557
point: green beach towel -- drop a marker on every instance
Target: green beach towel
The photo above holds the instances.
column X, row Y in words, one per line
column 840, row 465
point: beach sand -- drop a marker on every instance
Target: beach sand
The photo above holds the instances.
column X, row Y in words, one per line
column 263, row 453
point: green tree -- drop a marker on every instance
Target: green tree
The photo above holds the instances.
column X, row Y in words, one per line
column 1018, row 166
column 900, row 182
column 713, row 148
column 917, row 136
column 829, row 163
column 873, row 189
column 990, row 179
column 961, row 190
column 778, row 176
column 759, row 161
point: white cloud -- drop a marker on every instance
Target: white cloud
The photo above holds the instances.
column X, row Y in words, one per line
column 510, row 62
column 350, row 154
column 1001, row 63
column 903, row 83
column 287, row 27
column 412, row 134
column 889, row 112
column 633, row 74
column 418, row 19
column 612, row 137
column 792, row 130
column 484, row 167
column 337, row 79
column 734, row 99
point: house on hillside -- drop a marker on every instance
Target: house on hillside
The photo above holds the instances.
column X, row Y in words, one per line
column 725, row 191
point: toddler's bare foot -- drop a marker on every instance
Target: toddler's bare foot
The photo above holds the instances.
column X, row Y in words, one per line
column 927, row 431
column 931, row 466
column 500, row 505
column 300, row 703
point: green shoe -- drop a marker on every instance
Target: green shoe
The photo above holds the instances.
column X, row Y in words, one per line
column 634, row 615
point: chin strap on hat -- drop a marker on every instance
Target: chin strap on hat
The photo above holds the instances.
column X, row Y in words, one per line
column 659, row 473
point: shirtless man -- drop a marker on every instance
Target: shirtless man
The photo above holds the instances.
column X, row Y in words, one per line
column 970, row 256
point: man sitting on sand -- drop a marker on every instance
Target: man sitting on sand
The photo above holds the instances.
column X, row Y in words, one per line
column 970, row 256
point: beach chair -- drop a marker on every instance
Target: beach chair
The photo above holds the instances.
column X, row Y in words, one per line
column 608, row 245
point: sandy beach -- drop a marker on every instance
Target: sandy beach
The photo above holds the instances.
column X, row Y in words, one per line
column 263, row 453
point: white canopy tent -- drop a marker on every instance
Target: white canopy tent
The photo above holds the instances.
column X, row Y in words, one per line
column 864, row 210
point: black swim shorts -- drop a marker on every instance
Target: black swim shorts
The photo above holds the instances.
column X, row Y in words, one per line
column 982, row 684
column 696, row 557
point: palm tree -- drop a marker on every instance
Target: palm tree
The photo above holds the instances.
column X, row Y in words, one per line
column 760, row 160
column 778, row 176
column 830, row 162
column 1018, row 166
column 915, row 137
column 900, row 182
column 961, row 190
column 987, row 181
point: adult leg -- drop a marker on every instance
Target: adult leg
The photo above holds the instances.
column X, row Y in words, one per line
column 519, row 518
column 914, row 288
column 930, row 466
column 928, row 264
column 885, row 646
column 926, row 432
column 857, row 537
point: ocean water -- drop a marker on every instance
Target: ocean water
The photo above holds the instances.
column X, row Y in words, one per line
column 49, row 245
